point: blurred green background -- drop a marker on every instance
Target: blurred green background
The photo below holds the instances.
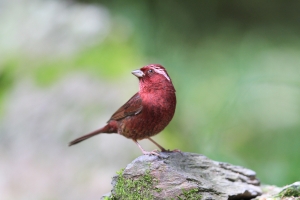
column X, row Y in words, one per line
column 65, row 68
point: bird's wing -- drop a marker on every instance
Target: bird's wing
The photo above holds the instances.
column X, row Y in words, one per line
column 132, row 107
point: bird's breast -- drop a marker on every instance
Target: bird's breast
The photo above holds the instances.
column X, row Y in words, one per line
column 158, row 110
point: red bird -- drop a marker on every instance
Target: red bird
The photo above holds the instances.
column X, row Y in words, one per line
column 147, row 113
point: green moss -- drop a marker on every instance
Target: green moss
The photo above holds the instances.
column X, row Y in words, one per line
column 133, row 189
column 292, row 191
column 142, row 188
column 192, row 194
column 7, row 78
column 158, row 190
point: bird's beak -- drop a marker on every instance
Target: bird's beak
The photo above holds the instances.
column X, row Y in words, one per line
column 138, row 73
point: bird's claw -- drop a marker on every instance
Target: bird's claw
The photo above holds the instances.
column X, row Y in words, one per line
column 174, row 150
column 154, row 153
column 177, row 150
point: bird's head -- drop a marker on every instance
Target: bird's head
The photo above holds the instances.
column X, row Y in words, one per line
column 153, row 76
column 152, row 73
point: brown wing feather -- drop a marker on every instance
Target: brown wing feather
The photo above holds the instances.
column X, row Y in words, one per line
column 132, row 107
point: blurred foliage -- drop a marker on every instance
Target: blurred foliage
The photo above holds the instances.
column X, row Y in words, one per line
column 103, row 60
column 235, row 65
column 236, row 69
column 7, row 76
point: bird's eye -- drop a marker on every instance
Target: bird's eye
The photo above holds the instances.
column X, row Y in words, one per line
column 150, row 71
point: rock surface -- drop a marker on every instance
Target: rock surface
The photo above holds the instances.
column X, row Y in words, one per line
column 181, row 175
column 292, row 190
column 289, row 192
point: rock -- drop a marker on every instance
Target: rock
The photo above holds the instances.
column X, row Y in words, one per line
column 269, row 192
column 181, row 175
column 292, row 190
column 289, row 192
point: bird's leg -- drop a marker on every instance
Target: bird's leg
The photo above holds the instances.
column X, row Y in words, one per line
column 160, row 147
column 163, row 149
column 146, row 152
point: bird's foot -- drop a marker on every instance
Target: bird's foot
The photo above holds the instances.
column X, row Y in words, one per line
column 154, row 153
column 174, row 150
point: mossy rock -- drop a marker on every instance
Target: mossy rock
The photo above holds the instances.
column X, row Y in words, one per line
column 292, row 190
column 180, row 176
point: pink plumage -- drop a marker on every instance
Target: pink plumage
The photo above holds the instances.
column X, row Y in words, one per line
column 145, row 114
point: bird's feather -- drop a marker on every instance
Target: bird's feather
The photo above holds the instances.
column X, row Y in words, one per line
column 132, row 107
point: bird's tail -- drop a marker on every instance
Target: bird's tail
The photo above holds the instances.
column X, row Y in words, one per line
column 105, row 129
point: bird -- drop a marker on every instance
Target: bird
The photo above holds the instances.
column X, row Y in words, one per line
column 147, row 112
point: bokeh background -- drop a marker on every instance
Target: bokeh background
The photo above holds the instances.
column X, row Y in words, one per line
column 65, row 68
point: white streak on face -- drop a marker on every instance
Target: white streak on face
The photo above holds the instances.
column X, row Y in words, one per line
column 162, row 72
